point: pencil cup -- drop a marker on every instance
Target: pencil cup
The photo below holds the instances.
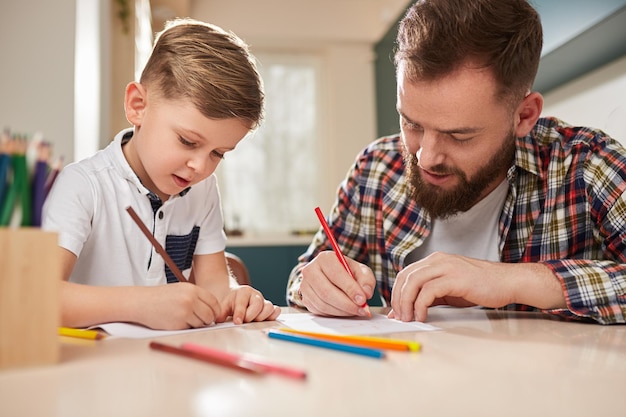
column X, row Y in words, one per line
column 30, row 274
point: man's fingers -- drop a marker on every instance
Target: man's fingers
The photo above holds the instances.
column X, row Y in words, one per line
column 318, row 305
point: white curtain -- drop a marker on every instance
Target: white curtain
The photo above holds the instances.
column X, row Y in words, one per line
column 268, row 183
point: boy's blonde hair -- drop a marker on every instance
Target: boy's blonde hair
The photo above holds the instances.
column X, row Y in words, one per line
column 207, row 65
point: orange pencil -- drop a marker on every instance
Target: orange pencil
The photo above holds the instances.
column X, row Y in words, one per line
column 338, row 252
column 369, row 341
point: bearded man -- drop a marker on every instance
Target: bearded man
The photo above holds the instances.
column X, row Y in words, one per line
column 478, row 201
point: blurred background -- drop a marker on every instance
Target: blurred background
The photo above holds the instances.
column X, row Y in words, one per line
column 330, row 87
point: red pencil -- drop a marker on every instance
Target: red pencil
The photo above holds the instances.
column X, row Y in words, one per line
column 338, row 252
column 247, row 359
column 230, row 363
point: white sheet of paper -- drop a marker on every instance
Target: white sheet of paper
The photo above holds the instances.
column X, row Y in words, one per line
column 135, row 331
column 377, row 324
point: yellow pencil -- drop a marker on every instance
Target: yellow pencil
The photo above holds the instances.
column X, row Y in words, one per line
column 370, row 341
column 80, row 333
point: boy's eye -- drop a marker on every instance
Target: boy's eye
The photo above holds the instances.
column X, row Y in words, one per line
column 185, row 141
column 218, row 154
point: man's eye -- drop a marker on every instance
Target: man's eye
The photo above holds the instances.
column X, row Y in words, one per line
column 412, row 126
column 461, row 139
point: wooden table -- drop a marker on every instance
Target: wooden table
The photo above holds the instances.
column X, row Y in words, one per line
column 481, row 363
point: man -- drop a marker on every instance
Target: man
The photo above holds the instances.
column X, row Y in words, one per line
column 478, row 201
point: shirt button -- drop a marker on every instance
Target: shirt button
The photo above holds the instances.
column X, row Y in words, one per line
column 160, row 215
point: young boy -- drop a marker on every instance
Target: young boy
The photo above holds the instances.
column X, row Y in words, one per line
column 198, row 96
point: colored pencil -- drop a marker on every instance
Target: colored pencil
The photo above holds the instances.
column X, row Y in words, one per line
column 39, row 182
column 368, row 341
column 52, row 175
column 21, row 177
column 170, row 263
column 343, row 347
column 81, row 333
column 247, row 358
column 337, row 250
column 5, row 164
column 229, row 363
column 16, row 206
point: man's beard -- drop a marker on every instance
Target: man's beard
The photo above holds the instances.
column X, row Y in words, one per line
column 442, row 203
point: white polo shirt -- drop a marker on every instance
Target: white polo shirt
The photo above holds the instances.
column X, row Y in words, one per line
column 87, row 207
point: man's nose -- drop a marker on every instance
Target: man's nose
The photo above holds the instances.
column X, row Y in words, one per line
column 430, row 152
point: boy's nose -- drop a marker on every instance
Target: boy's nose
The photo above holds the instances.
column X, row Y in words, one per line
column 202, row 166
column 197, row 164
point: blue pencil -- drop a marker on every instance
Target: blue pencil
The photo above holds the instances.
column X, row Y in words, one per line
column 358, row 350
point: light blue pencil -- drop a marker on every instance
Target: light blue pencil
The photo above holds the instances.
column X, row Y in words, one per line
column 358, row 350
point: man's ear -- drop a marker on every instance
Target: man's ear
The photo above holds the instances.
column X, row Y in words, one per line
column 135, row 101
column 528, row 112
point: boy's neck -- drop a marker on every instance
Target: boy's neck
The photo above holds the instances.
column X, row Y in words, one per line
column 130, row 153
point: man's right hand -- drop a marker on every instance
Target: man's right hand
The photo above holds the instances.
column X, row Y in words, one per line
column 327, row 289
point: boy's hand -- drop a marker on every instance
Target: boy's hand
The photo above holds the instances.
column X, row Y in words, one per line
column 177, row 306
column 245, row 304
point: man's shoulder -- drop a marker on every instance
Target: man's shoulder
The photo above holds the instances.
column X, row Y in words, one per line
column 381, row 161
column 550, row 130
column 387, row 143
column 386, row 148
column 555, row 140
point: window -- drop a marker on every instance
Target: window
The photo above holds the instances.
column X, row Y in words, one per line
column 273, row 173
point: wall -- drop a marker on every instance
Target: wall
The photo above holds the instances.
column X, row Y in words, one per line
column 597, row 99
column 597, row 28
column 37, row 75
column 122, row 67
column 578, row 39
column 388, row 122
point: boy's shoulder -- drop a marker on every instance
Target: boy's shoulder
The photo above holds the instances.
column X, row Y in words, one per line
column 111, row 156
column 93, row 169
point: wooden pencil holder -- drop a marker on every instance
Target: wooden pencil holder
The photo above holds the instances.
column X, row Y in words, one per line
column 30, row 274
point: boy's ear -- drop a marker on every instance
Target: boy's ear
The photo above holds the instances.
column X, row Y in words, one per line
column 528, row 113
column 135, row 101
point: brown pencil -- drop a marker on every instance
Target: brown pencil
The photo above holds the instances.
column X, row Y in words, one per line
column 170, row 263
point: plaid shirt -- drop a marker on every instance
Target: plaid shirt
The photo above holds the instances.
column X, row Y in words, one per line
column 566, row 209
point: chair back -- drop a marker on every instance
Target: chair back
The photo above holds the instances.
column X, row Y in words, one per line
column 238, row 269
